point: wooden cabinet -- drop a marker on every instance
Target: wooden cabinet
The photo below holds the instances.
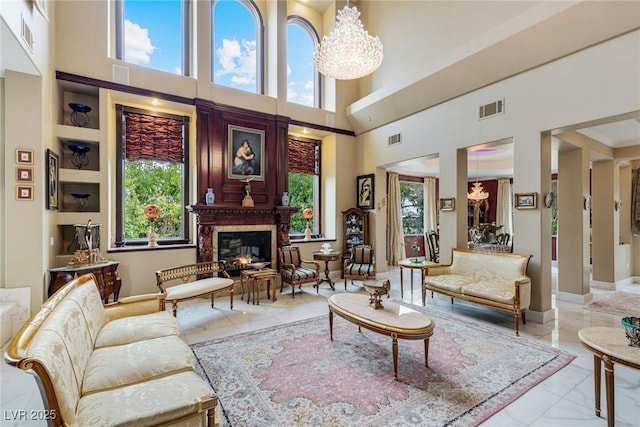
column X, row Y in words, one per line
column 107, row 279
column 355, row 223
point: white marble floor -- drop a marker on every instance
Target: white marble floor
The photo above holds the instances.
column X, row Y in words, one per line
column 565, row 399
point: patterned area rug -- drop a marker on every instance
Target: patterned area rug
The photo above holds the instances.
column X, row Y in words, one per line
column 294, row 375
column 619, row 304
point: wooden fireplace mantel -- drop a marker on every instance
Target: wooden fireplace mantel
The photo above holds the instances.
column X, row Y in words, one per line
column 210, row 216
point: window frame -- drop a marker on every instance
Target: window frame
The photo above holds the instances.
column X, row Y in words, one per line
column 315, row 38
column 260, row 61
column 186, row 35
column 120, row 239
column 411, row 181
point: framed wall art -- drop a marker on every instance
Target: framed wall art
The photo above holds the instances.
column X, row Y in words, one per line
column 24, row 156
column 246, row 153
column 364, row 191
column 53, row 165
column 24, row 174
column 24, row 192
column 525, row 201
column 448, row 204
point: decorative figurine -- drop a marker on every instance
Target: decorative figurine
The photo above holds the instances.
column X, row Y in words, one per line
column 247, row 201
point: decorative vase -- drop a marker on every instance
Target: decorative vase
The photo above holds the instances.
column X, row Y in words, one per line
column 209, row 197
column 285, row 198
column 153, row 238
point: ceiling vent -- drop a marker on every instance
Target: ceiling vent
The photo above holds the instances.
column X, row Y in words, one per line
column 27, row 35
column 395, row 139
column 492, row 109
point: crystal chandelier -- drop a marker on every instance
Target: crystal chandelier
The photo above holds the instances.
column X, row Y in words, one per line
column 477, row 192
column 348, row 52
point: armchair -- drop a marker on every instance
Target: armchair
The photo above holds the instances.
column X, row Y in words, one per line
column 361, row 265
column 296, row 271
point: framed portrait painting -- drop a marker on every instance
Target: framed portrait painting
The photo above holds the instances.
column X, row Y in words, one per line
column 364, row 191
column 53, row 166
column 245, row 153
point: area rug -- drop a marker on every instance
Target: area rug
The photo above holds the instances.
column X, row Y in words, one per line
column 294, row 375
column 618, row 304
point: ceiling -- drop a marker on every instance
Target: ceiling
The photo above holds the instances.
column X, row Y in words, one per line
column 497, row 159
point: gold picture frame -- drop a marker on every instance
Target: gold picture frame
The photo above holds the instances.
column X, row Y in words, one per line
column 24, row 174
column 24, row 192
column 526, row 200
column 448, row 204
column 245, row 153
column 24, row 156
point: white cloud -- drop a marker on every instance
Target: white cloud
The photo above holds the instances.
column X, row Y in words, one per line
column 288, row 69
column 239, row 60
column 138, row 47
column 308, row 85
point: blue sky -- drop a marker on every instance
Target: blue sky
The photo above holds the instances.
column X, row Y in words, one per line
column 153, row 39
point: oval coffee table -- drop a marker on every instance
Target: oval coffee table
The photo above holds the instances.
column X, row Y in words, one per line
column 393, row 320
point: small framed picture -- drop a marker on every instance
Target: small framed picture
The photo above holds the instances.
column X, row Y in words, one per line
column 448, row 204
column 24, row 156
column 24, row 174
column 526, row 201
column 364, row 191
column 24, row 192
column 52, row 179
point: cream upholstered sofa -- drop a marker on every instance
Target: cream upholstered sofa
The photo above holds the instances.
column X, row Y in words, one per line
column 123, row 364
column 491, row 279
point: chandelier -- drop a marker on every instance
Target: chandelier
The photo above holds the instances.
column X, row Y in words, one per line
column 477, row 192
column 348, row 52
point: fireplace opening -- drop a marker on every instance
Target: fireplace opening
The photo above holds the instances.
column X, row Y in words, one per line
column 236, row 249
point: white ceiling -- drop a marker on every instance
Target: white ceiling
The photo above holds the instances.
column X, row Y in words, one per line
column 497, row 160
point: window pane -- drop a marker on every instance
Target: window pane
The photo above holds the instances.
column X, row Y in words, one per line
column 234, row 46
column 153, row 34
column 153, row 183
column 301, row 194
column 300, row 69
column 412, row 207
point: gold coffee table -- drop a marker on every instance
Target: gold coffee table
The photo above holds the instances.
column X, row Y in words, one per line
column 392, row 320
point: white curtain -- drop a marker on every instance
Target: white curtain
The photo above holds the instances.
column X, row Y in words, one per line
column 504, row 208
column 430, row 204
column 395, row 242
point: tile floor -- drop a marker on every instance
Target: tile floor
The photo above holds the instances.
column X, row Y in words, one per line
column 565, row 399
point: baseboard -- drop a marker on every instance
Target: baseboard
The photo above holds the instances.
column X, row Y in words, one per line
column 541, row 316
column 574, row 298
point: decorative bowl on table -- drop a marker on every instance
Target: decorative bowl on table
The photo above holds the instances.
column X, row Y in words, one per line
column 258, row 265
column 632, row 330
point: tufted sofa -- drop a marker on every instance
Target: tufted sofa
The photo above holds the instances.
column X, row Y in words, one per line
column 121, row 364
column 492, row 279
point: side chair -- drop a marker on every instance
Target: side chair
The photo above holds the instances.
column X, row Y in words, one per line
column 361, row 265
column 296, row 271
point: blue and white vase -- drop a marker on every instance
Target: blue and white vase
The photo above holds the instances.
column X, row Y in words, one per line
column 209, row 197
column 285, row 198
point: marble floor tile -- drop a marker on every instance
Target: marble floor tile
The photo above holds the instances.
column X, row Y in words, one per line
column 565, row 399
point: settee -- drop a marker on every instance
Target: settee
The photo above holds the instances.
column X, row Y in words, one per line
column 495, row 280
column 120, row 364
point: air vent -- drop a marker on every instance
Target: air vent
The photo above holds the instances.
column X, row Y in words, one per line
column 492, row 109
column 394, row 139
column 27, row 35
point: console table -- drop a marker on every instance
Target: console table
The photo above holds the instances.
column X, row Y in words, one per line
column 107, row 279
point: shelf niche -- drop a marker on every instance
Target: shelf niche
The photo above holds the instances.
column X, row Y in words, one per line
column 80, row 196
column 92, row 155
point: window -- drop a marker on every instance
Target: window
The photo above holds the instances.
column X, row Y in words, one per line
column 304, row 183
column 154, row 34
column 151, row 170
column 412, row 207
column 303, row 81
column 237, row 45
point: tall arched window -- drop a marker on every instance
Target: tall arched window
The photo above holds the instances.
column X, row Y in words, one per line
column 237, row 45
column 154, row 34
column 303, row 81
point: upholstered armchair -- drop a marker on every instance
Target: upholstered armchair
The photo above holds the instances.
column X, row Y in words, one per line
column 296, row 271
column 361, row 265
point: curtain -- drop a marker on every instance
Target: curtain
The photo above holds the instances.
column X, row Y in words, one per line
column 635, row 203
column 430, row 204
column 504, row 208
column 150, row 137
column 304, row 157
column 395, row 244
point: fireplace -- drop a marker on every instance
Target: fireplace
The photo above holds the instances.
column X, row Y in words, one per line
column 235, row 242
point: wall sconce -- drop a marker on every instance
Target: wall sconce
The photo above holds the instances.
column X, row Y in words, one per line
column 382, row 203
